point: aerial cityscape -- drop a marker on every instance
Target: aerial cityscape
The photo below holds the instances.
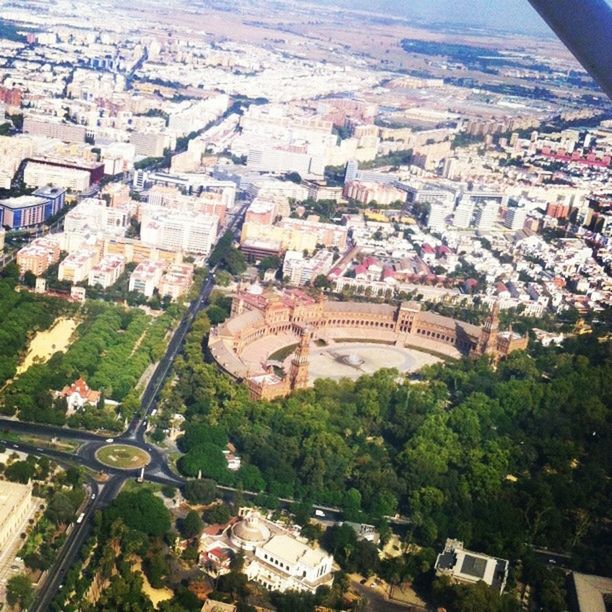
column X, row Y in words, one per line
column 305, row 305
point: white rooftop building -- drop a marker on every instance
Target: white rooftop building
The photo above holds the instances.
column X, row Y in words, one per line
column 284, row 563
column 175, row 230
column 470, row 567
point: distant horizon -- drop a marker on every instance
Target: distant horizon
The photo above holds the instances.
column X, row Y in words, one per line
column 512, row 16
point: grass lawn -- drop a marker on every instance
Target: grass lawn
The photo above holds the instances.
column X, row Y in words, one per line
column 123, row 457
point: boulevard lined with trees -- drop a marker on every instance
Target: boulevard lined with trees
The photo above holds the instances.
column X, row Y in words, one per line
column 113, row 347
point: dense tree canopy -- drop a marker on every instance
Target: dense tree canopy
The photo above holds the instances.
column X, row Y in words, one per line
column 23, row 314
column 502, row 459
column 227, row 256
column 139, row 510
column 113, row 348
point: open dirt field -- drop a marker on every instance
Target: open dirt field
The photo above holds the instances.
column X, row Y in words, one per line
column 46, row 343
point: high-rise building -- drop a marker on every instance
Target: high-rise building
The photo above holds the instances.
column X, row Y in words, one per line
column 463, row 214
column 352, row 168
column 515, row 218
column 438, row 213
column 486, row 215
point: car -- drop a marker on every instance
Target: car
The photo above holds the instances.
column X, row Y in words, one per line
column 93, row 496
column 15, row 446
column 319, row 513
column 109, row 440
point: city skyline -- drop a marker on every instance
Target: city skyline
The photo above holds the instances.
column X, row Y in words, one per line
column 304, row 305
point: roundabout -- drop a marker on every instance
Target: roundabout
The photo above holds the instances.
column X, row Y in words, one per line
column 122, row 457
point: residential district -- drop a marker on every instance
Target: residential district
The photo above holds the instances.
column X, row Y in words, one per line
column 404, row 198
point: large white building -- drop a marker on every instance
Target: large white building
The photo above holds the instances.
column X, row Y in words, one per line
column 438, row 214
column 178, row 231
column 284, row 563
column 277, row 559
column 515, row 218
column 92, row 220
column 39, row 174
column 464, row 212
column 17, row 508
column 486, row 215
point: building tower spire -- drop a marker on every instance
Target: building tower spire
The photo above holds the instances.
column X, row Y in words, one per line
column 298, row 374
column 487, row 343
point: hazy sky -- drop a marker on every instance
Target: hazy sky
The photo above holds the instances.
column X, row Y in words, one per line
column 514, row 15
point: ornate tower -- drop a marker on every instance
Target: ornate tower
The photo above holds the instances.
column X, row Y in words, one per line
column 298, row 374
column 487, row 343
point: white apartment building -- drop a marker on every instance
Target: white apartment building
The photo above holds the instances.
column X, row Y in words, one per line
column 515, row 218
column 149, row 144
column 299, row 270
column 106, row 273
column 280, row 159
column 38, row 175
column 464, row 212
column 54, row 129
column 438, row 213
column 486, row 215
column 146, row 277
column 175, row 230
column 176, row 281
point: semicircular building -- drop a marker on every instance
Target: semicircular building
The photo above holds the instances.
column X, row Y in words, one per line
column 263, row 322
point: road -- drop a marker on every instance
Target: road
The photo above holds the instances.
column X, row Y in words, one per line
column 156, row 471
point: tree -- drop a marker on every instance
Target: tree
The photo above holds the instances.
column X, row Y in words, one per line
column 471, row 598
column 322, row 282
column 192, row 525
column 272, row 262
column 60, row 509
column 168, row 491
column 227, row 256
column 20, row 471
column 216, row 314
column 218, row 514
column 301, row 513
column 207, row 458
column 155, row 568
column 201, row 491
column 19, row 591
column 140, row 510
column 29, row 279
